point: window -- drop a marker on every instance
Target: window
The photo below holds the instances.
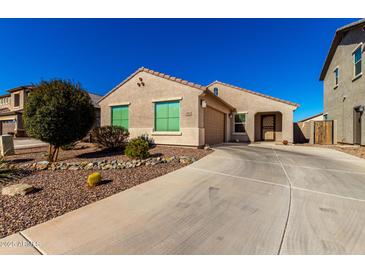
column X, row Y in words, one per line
column 357, row 61
column 215, row 91
column 16, row 100
column 336, row 74
column 240, row 123
column 120, row 116
column 167, row 116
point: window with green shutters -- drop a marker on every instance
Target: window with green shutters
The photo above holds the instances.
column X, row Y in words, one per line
column 120, row 116
column 167, row 116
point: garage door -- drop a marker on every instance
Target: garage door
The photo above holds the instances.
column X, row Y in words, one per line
column 7, row 127
column 214, row 126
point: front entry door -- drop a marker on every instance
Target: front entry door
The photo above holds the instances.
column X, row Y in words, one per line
column 357, row 126
column 268, row 127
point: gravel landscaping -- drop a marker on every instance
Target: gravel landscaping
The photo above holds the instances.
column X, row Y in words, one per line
column 355, row 150
column 62, row 190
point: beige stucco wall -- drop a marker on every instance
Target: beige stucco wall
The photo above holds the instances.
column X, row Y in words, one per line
column 141, row 108
column 339, row 102
column 22, row 100
column 5, row 102
column 252, row 104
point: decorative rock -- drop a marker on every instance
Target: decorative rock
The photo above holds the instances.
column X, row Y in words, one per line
column 89, row 166
column 17, row 189
column 207, row 147
column 42, row 165
column 170, row 159
column 105, row 164
column 186, row 160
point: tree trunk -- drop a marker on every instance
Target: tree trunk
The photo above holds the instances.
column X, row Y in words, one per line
column 53, row 153
column 57, row 149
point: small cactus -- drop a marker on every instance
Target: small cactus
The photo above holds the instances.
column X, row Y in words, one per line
column 94, row 179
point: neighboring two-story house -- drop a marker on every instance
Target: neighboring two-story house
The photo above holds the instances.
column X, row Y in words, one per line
column 344, row 83
column 12, row 106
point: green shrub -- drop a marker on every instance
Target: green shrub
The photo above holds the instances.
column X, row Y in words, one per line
column 148, row 139
column 137, row 148
column 110, row 137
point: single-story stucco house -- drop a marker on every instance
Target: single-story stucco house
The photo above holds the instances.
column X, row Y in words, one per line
column 177, row 112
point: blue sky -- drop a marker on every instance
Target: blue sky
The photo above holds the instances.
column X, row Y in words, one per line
column 278, row 57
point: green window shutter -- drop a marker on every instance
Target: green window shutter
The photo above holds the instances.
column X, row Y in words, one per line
column 167, row 116
column 120, row 116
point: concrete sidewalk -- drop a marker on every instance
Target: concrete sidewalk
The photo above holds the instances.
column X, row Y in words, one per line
column 238, row 200
column 23, row 143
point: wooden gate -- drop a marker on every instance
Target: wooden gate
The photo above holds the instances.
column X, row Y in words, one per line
column 323, row 132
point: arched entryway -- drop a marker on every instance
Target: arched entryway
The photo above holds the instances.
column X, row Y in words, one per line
column 268, row 126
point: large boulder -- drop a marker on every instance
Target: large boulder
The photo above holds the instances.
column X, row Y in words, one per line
column 17, row 189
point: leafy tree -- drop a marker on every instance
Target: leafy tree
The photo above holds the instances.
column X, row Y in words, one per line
column 58, row 112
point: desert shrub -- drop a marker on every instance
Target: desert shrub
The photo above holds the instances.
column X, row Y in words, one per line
column 58, row 112
column 110, row 137
column 148, row 139
column 137, row 148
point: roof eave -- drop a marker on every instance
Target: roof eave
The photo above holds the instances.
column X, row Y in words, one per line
column 158, row 74
column 207, row 92
column 256, row 93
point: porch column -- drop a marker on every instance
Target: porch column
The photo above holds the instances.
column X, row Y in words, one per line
column 287, row 126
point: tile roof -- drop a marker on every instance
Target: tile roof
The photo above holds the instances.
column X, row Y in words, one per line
column 191, row 84
column 95, row 98
column 20, row 88
column 256, row 93
column 159, row 74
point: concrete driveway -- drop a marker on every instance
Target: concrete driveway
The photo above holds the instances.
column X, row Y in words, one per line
column 238, row 200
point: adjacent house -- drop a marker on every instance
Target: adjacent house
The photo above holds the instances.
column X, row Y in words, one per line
column 344, row 83
column 12, row 105
column 178, row 112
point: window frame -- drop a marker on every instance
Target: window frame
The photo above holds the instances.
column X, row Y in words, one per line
column 215, row 91
column 358, row 47
column 111, row 113
column 337, row 79
column 242, row 123
column 16, row 95
column 155, row 103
